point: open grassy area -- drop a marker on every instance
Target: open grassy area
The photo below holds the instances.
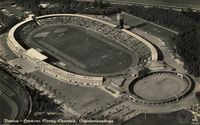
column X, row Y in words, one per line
column 133, row 21
column 161, row 33
column 157, row 30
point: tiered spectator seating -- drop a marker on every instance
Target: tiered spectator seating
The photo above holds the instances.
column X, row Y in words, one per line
column 118, row 35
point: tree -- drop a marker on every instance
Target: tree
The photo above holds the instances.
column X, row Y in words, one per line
column 198, row 95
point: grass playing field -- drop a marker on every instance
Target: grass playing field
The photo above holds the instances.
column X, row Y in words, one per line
column 159, row 87
column 82, row 48
column 161, row 33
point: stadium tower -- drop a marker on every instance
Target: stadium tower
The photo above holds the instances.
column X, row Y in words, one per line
column 35, row 21
column 120, row 20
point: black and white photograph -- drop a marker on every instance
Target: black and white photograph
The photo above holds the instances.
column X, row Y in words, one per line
column 99, row 62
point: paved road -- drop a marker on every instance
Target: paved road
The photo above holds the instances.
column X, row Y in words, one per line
column 183, row 4
column 179, row 4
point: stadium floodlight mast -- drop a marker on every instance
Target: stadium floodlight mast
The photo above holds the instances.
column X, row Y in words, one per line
column 145, row 114
column 176, row 97
column 120, row 19
column 35, row 20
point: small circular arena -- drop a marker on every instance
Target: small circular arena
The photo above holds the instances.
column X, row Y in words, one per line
column 161, row 87
column 72, row 46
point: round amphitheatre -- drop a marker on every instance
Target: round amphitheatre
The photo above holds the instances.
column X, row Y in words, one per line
column 161, row 87
column 81, row 47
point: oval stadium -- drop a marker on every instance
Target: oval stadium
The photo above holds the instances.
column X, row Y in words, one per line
column 79, row 48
